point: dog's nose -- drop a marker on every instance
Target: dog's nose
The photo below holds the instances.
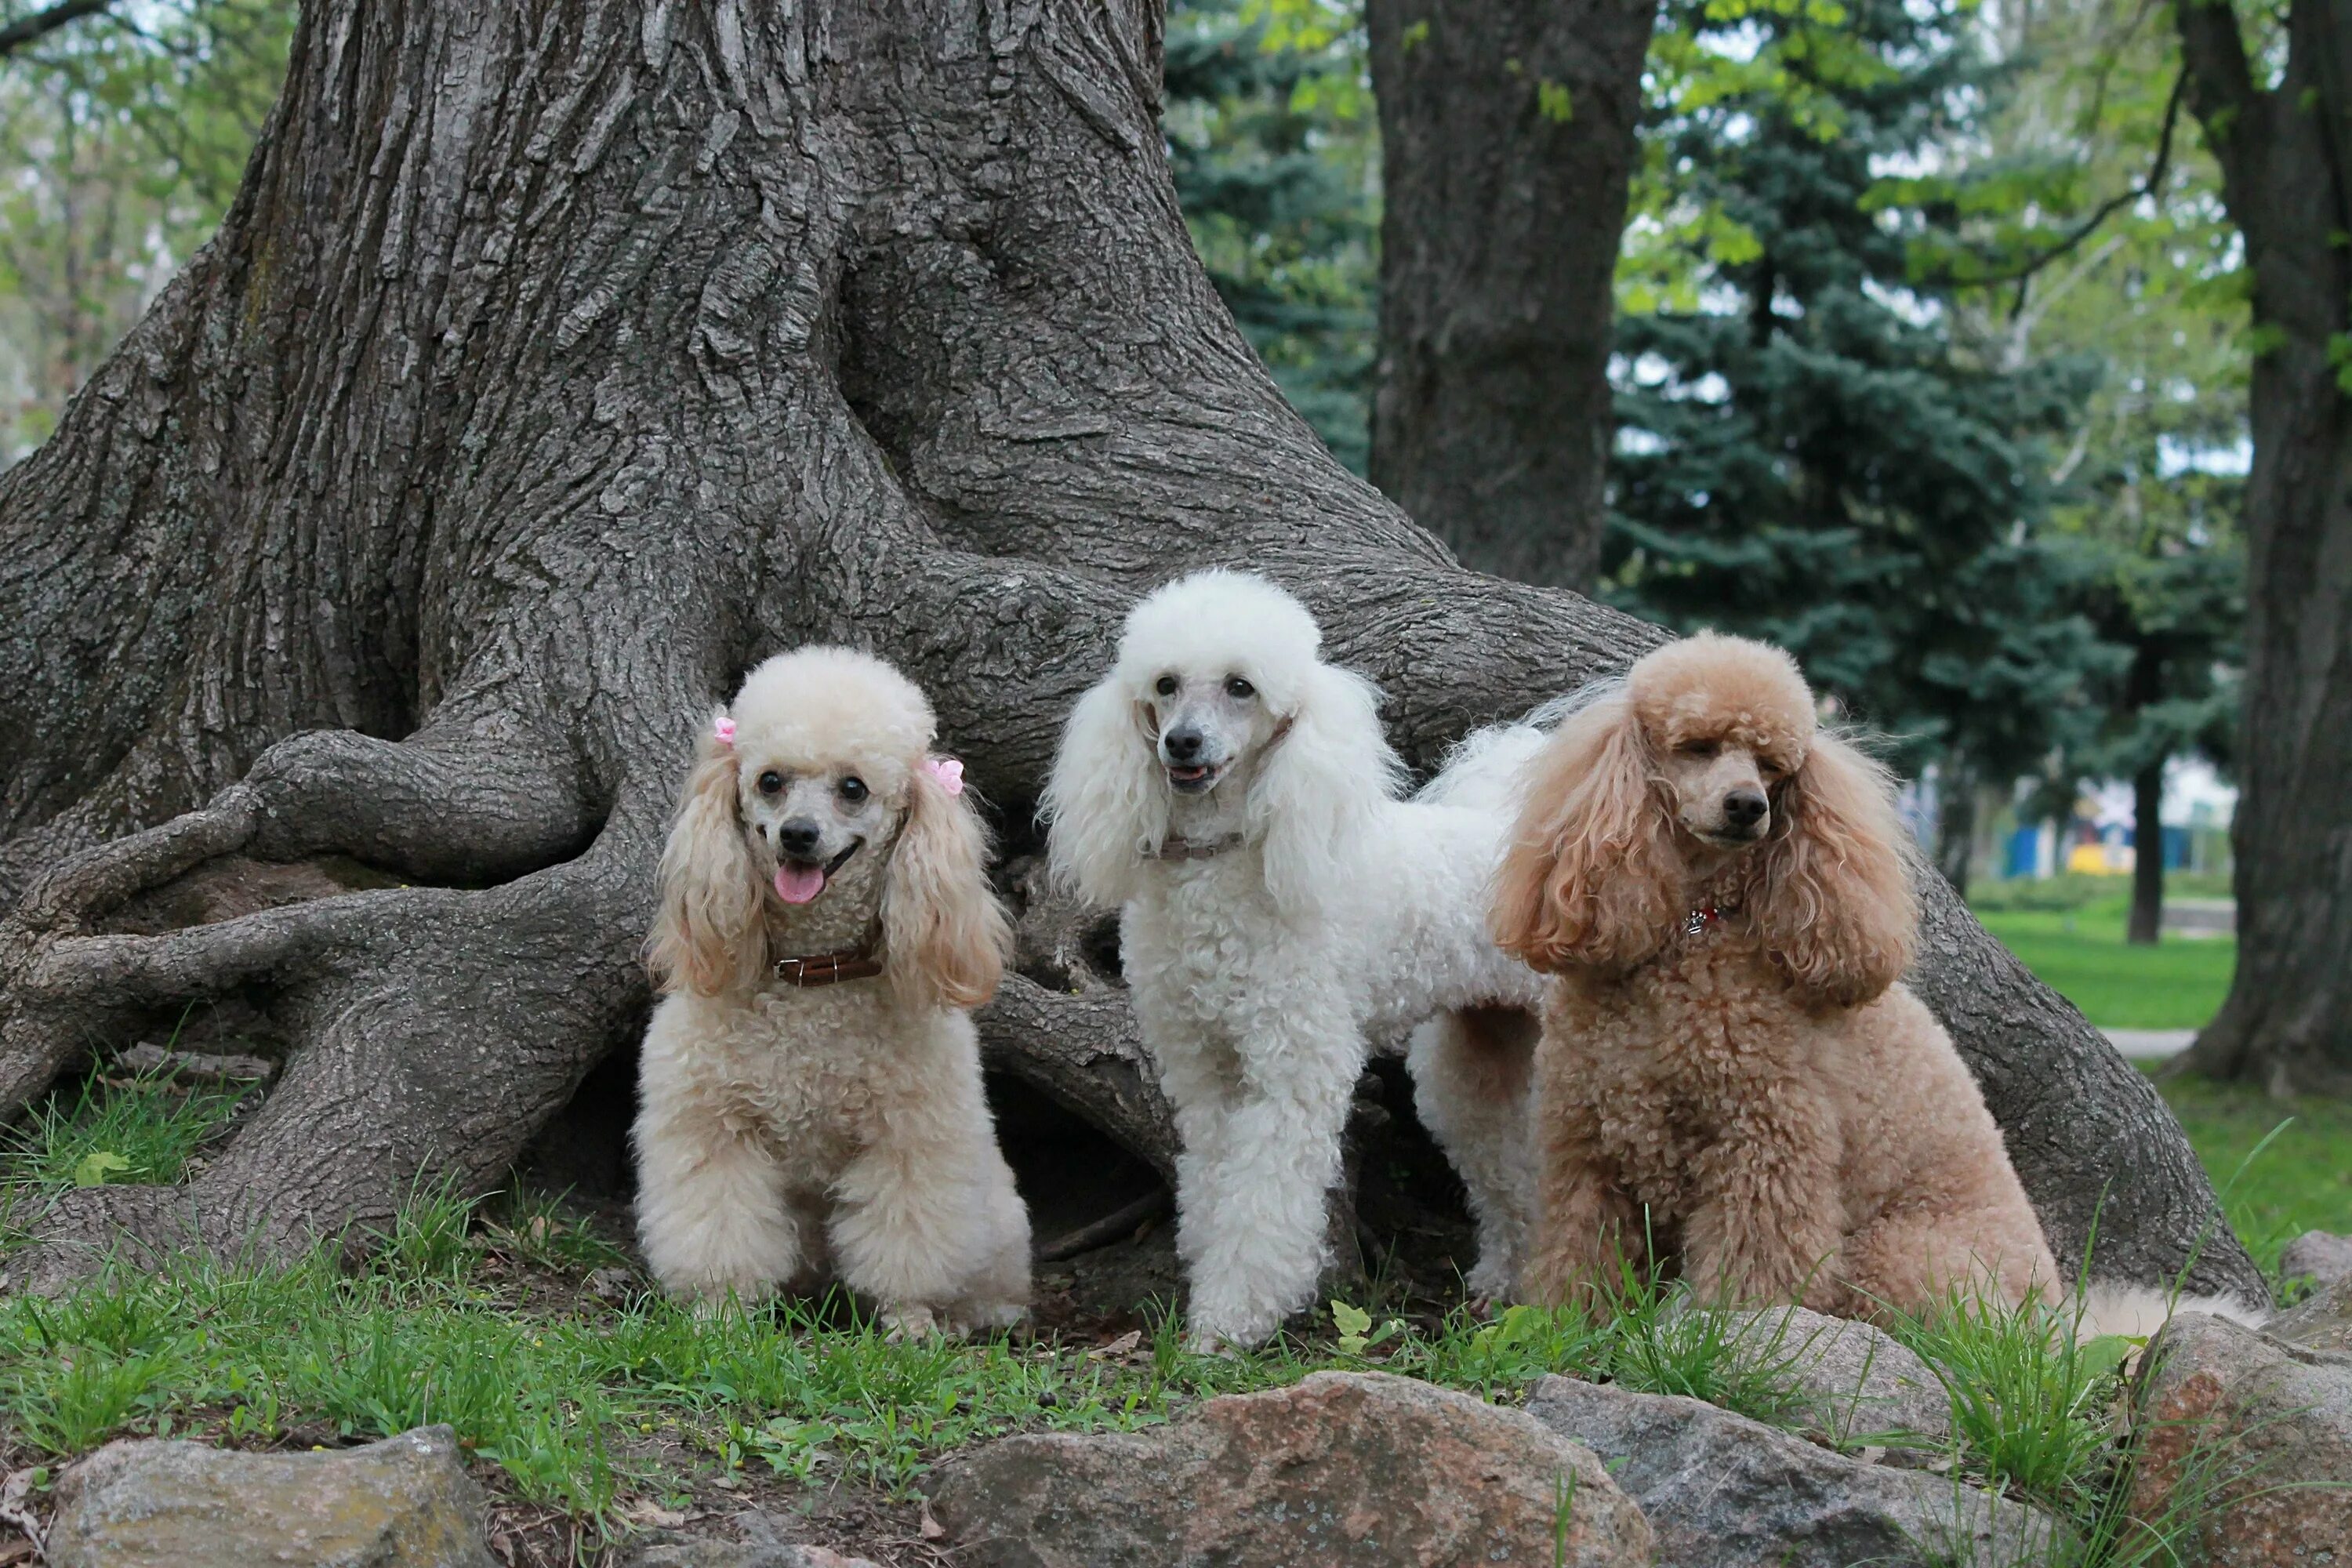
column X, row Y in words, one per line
column 797, row 837
column 1744, row 807
column 1183, row 744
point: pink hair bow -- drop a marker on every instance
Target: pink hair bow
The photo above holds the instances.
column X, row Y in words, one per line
column 722, row 729
column 948, row 771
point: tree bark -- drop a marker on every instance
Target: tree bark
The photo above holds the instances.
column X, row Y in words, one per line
column 2146, row 923
column 1956, row 824
column 1507, row 148
column 553, row 367
column 2284, row 153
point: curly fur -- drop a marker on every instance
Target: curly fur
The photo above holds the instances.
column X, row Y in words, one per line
column 1790, row 1117
column 1257, row 971
column 788, row 1134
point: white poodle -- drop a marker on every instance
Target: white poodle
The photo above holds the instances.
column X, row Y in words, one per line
column 1234, row 794
column 811, row 1088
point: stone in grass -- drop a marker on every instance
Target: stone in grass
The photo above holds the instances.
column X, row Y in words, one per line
column 757, row 1544
column 2321, row 1258
column 1723, row 1491
column 2245, row 1448
column 1853, row 1383
column 2323, row 1322
column 405, row 1502
column 1342, row 1471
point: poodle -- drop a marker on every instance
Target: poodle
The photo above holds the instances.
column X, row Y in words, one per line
column 1719, row 888
column 811, row 1088
column 1234, row 794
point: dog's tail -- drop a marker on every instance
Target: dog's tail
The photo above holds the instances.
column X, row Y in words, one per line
column 1482, row 770
column 2110, row 1306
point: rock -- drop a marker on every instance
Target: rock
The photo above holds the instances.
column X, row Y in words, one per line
column 2251, row 1432
column 1723, row 1491
column 2324, row 1323
column 405, row 1502
column 2325, row 1258
column 1342, row 1471
column 759, row 1544
column 1855, row 1385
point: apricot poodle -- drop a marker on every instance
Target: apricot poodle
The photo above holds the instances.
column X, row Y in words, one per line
column 1719, row 888
column 811, row 1088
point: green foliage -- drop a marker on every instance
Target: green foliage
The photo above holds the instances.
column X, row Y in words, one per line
column 1808, row 452
column 143, row 1128
column 2302, row 1180
column 122, row 137
column 1274, row 146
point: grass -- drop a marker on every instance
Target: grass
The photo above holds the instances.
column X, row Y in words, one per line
column 2302, row 1181
column 476, row 1315
column 2080, row 952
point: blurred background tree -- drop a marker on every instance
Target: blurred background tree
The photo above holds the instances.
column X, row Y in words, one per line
column 1814, row 447
column 1276, row 154
column 123, row 129
column 1930, row 352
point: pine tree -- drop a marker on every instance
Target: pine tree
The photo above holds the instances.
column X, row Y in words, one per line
column 1271, row 136
column 1808, row 451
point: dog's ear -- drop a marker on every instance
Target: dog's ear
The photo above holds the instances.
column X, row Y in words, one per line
column 1590, row 876
column 1320, row 783
column 945, row 934
column 1106, row 803
column 1831, row 897
column 705, row 938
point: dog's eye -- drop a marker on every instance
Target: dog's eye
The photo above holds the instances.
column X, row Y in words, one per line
column 853, row 789
column 1237, row 689
column 1700, row 748
column 771, row 781
column 1165, row 685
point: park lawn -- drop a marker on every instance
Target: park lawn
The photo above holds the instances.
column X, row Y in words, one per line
column 591, row 1416
column 2081, row 954
column 2301, row 1180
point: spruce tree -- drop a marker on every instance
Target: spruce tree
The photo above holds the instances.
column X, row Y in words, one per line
column 1272, row 140
column 1808, row 451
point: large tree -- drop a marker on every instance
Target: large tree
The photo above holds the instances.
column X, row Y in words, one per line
column 2279, row 122
column 553, row 365
column 1810, row 450
column 1507, row 151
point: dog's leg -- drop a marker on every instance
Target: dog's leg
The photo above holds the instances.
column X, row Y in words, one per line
column 1586, row 1240
column 911, row 1223
column 1767, row 1223
column 1254, row 1206
column 998, row 1296
column 712, row 1214
column 1470, row 1085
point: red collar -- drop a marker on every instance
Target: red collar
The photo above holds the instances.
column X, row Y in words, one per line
column 1699, row 919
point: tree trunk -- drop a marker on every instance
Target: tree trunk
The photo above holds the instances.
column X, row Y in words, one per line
column 1956, row 824
column 1508, row 146
column 2284, row 154
column 2147, row 856
column 550, row 369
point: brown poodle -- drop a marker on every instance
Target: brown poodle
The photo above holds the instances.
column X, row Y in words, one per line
column 1719, row 887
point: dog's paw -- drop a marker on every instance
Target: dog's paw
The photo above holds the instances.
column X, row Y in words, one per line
column 915, row 1322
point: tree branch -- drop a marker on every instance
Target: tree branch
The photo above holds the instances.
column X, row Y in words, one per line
column 32, row 29
column 2147, row 186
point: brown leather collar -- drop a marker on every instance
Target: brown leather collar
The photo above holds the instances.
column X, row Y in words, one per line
column 1185, row 850
column 858, row 962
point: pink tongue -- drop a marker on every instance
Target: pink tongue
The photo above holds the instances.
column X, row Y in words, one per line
column 798, row 885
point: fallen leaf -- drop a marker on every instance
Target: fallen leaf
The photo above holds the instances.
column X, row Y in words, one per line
column 931, row 1528
column 1122, row 1345
column 98, row 1167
